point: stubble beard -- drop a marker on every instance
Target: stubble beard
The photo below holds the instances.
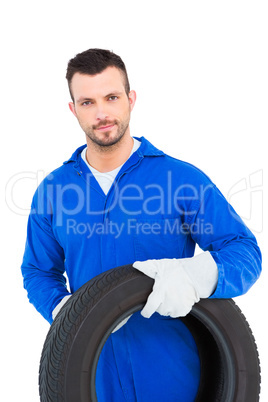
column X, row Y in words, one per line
column 104, row 142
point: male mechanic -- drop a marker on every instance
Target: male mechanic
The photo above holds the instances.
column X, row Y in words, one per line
column 119, row 200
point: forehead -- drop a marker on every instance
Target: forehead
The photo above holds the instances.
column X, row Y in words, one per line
column 92, row 86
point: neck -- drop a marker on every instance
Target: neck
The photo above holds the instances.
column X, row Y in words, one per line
column 109, row 158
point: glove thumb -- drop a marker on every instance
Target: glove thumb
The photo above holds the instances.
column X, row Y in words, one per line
column 153, row 302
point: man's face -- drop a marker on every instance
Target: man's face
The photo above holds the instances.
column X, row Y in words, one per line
column 102, row 106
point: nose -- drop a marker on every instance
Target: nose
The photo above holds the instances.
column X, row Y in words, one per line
column 101, row 112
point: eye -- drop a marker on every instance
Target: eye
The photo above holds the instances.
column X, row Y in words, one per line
column 86, row 103
column 113, row 98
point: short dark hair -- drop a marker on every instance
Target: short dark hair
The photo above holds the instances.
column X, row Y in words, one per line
column 94, row 61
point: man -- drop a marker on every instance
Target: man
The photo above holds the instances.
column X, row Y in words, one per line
column 119, row 200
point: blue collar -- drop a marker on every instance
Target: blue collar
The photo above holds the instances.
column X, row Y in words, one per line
column 145, row 149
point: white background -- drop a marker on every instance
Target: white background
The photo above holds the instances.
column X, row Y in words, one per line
column 200, row 72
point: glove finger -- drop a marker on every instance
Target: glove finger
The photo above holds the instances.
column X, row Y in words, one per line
column 184, row 308
column 180, row 312
column 178, row 307
column 153, row 302
column 146, row 267
column 170, row 307
column 164, row 310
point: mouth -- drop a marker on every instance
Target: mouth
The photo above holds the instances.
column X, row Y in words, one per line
column 106, row 128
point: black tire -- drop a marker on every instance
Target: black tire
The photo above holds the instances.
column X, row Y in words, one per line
column 230, row 370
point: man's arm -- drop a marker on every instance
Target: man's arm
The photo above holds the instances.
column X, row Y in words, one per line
column 229, row 266
column 43, row 266
column 232, row 245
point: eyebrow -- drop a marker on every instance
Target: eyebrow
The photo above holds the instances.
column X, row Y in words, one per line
column 84, row 99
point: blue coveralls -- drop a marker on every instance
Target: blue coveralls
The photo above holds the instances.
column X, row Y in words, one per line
column 158, row 207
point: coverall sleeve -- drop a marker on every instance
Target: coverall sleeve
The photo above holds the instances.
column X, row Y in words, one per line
column 43, row 266
column 232, row 245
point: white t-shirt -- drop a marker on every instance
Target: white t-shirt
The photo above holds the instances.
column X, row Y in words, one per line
column 106, row 179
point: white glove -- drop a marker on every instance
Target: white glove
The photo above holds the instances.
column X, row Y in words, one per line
column 179, row 283
column 59, row 306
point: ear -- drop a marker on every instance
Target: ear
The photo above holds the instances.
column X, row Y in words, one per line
column 72, row 108
column 132, row 98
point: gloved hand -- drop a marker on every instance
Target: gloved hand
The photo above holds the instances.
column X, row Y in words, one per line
column 179, row 283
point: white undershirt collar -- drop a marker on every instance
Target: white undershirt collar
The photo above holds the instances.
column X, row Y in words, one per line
column 106, row 179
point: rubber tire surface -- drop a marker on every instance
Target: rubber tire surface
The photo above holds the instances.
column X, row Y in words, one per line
column 230, row 370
